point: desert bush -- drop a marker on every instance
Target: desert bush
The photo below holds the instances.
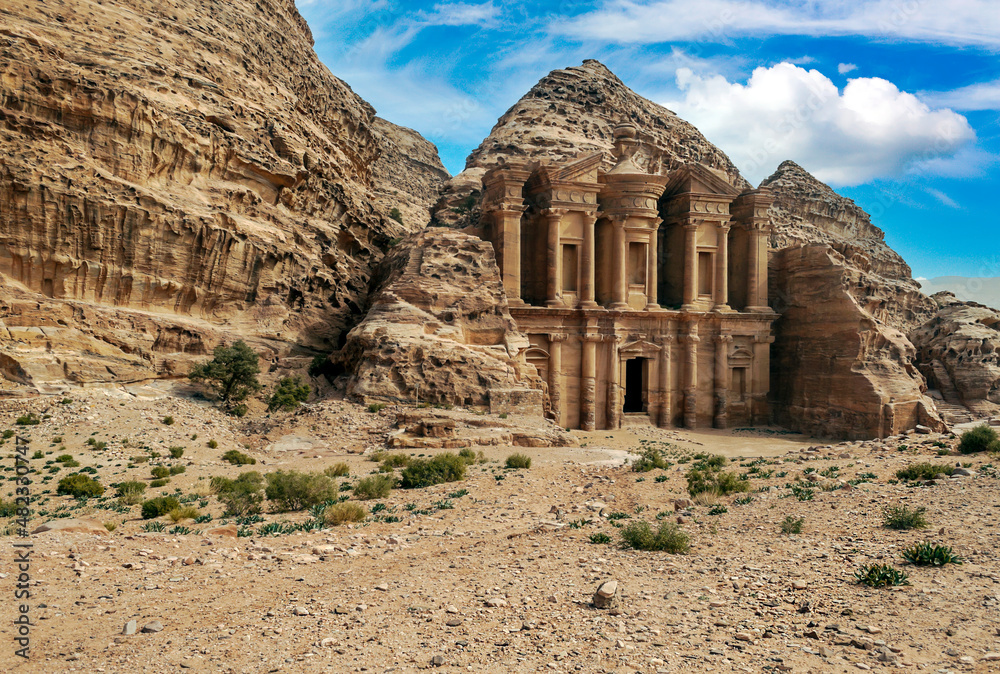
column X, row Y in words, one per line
column 232, row 373
column 442, row 468
column 242, row 496
column 183, row 513
column 923, row 471
column 652, row 458
column 176, row 452
column 159, row 471
column 902, row 517
column 390, row 462
column 373, row 486
column 342, row 513
column 880, row 575
column 376, row 407
column 518, row 460
column 163, row 481
column 155, row 507
column 668, row 537
column 792, row 525
column 130, row 492
column 110, row 526
column 212, row 444
column 340, row 469
column 29, row 419
column 467, row 455
column 8, row 508
column 79, row 485
column 177, row 470
column 288, row 394
column 168, row 420
column 293, row 490
column 979, row 439
column 600, row 538
column 715, row 481
column 925, row 554
column 238, row 458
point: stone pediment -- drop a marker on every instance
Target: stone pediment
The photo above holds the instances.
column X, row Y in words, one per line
column 698, row 179
column 642, row 348
column 582, row 170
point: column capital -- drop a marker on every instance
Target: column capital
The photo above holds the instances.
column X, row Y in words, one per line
column 506, row 208
column 557, row 337
column 591, row 337
column 554, row 212
column 763, row 339
column 613, row 339
column 691, row 223
column 618, row 219
column 723, row 339
column 690, row 339
column 665, row 340
column 590, row 217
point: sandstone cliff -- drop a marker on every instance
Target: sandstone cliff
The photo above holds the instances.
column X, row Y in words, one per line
column 572, row 112
column 439, row 331
column 959, row 353
column 193, row 160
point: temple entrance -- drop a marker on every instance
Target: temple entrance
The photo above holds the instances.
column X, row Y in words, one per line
column 634, row 385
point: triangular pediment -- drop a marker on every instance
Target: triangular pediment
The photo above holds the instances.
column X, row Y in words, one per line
column 640, row 346
column 698, row 179
column 582, row 170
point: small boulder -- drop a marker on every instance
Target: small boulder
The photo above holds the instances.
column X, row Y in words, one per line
column 607, row 595
column 73, row 526
column 228, row 530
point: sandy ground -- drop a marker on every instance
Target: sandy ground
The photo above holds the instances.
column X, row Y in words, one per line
column 497, row 573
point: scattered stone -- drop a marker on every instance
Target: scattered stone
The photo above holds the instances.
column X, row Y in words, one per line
column 152, row 627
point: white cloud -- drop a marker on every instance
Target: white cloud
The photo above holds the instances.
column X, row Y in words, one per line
column 980, row 96
column 957, row 22
column 942, row 197
column 871, row 129
column 460, row 14
column 844, row 68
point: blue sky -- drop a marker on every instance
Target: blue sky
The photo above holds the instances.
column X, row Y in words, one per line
column 894, row 103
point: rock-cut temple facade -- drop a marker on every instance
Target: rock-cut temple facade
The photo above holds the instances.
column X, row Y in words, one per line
column 643, row 295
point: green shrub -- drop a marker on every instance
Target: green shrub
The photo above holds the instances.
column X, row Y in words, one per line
column 668, row 537
column 66, row 401
column 902, row 517
column 168, row 420
column 8, row 434
column 791, row 525
column 340, row 469
column 880, row 575
column 376, row 407
column 442, row 468
column 925, row 554
column 288, row 394
column 238, row 458
column 979, row 439
column 161, row 482
column 130, row 492
column 232, row 374
column 342, row 513
column 392, row 461
column 29, row 419
column 176, row 452
column 599, row 538
column 518, row 460
column 63, row 458
column 155, row 507
column 177, row 470
column 67, row 461
column 718, row 509
column 183, row 513
column 293, row 490
column 373, row 486
column 242, row 496
column 923, row 471
column 160, row 471
column 651, row 458
column 8, row 508
column 212, row 444
column 79, row 485
column 716, row 482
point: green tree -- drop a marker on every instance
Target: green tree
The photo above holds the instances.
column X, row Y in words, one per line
column 396, row 215
column 288, row 394
column 232, row 373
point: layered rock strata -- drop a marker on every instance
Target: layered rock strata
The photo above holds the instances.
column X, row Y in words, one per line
column 438, row 330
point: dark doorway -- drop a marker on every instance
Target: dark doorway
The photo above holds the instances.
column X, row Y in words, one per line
column 633, row 385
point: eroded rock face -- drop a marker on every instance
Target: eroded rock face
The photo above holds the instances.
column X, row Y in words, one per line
column 572, row 112
column 196, row 161
column 439, row 330
column 837, row 371
column 959, row 353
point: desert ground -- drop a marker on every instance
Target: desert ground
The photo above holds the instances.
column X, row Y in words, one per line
column 497, row 572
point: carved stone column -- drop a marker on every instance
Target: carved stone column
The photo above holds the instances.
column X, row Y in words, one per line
column 722, row 343
column 555, row 375
column 588, row 383
column 690, row 264
column 651, row 253
column 619, row 284
column 553, row 295
column 587, row 260
column 509, row 226
column 722, row 269
column 666, row 381
column 690, row 341
column 757, row 269
column 614, row 382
